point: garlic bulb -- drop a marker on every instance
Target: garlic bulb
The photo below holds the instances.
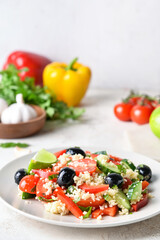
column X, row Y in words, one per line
column 3, row 105
column 18, row 112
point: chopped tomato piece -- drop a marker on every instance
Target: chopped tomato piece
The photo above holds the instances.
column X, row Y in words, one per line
column 96, row 213
column 44, row 191
column 90, row 203
column 141, row 203
column 83, row 165
column 144, row 185
column 126, row 183
column 70, row 205
column 28, row 184
column 110, row 211
column 43, row 173
column 116, row 163
column 94, row 155
column 94, row 189
column 58, row 154
column 117, row 159
column 87, row 152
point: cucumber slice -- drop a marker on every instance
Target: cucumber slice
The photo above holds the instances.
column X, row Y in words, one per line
column 107, row 197
column 135, row 191
column 107, row 167
column 42, row 159
column 122, row 200
column 128, row 164
column 26, row 195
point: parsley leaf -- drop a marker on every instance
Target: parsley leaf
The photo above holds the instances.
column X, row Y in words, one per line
column 11, row 85
column 11, row 144
column 53, row 176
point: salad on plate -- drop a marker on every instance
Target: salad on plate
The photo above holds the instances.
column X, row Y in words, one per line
column 85, row 184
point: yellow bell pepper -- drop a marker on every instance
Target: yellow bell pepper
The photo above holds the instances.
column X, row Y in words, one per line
column 68, row 83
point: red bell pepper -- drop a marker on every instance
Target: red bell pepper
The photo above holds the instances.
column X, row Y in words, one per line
column 89, row 202
column 34, row 62
column 141, row 203
column 110, row 211
column 127, row 182
column 70, row 205
column 144, row 184
column 94, row 189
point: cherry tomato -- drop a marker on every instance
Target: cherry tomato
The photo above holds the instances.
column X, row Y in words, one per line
column 141, row 113
column 134, row 100
column 122, row 111
column 28, row 184
column 44, row 191
column 83, row 165
column 58, row 154
column 43, row 173
column 58, row 166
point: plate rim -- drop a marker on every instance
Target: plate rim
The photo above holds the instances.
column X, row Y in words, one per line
column 80, row 224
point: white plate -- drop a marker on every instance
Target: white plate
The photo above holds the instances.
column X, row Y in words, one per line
column 35, row 209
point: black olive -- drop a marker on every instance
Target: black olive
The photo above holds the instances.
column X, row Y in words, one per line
column 75, row 150
column 145, row 171
column 65, row 177
column 19, row 175
column 114, row 179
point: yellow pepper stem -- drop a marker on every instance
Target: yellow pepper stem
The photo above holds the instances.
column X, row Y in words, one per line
column 70, row 65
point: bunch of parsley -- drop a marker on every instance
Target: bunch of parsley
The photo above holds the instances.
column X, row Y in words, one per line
column 11, row 85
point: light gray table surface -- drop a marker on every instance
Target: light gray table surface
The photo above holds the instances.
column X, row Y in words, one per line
column 98, row 127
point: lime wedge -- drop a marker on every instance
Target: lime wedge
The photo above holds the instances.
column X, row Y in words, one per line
column 42, row 159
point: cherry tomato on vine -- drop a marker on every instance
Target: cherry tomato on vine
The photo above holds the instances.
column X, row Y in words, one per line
column 122, row 111
column 134, row 100
column 137, row 100
column 141, row 113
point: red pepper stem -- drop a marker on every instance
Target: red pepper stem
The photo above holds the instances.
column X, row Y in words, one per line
column 70, row 65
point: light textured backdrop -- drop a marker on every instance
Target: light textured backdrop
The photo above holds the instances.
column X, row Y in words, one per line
column 118, row 39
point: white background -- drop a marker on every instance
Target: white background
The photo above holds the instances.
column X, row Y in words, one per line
column 118, row 39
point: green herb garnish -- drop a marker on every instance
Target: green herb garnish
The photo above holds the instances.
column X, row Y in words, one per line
column 11, row 85
column 70, row 189
column 68, row 162
column 53, row 176
column 11, row 144
column 46, row 200
column 88, row 210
